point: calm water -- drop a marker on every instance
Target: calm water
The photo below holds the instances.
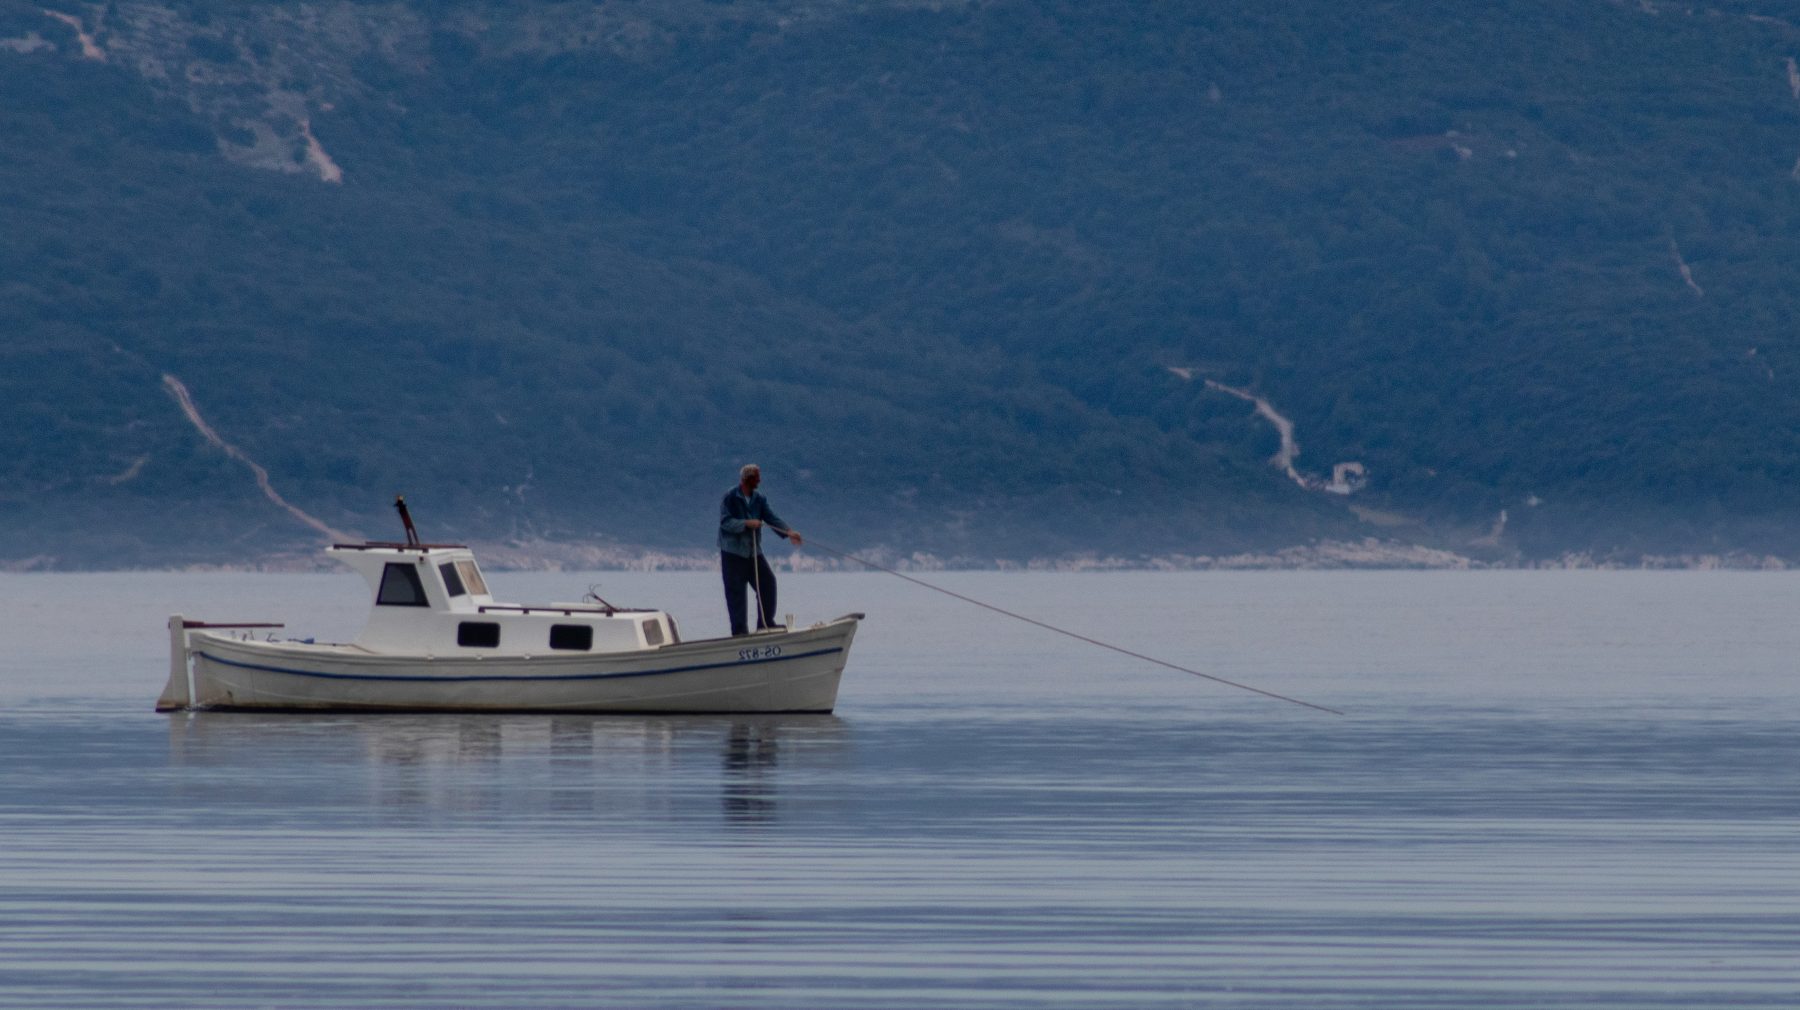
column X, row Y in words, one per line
column 1551, row 790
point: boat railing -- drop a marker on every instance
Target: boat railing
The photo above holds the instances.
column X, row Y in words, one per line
column 392, row 546
column 487, row 608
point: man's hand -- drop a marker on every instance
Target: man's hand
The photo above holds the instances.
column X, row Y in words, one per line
column 753, row 524
column 794, row 537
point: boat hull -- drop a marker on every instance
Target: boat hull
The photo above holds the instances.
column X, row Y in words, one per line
column 788, row 671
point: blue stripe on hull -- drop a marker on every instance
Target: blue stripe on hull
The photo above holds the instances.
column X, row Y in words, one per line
column 435, row 678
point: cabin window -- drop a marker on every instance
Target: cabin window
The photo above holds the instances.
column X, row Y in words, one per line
column 471, row 578
column 579, row 637
column 478, row 635
column 653, row 632
column 452, row 582
column 400, row 587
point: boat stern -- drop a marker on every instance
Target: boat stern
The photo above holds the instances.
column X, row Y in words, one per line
column 178, row 693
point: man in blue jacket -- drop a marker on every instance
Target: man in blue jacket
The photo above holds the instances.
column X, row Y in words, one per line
column 742, row 516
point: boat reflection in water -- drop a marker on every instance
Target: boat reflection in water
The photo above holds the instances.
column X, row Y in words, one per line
column 751, row 751
column 410, row 768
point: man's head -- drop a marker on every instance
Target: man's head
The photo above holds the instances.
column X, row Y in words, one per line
column 749, row 475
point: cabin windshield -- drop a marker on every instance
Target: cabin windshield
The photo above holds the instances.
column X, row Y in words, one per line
column 453, row 583
column 400, row 587
column 471, row 578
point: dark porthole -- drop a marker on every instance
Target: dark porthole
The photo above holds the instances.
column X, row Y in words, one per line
column 579, row 637
column 478, row 635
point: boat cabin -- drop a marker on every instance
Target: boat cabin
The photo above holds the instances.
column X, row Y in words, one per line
column 431, row 599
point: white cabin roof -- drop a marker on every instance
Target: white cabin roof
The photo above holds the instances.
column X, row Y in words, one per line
column 443, row 576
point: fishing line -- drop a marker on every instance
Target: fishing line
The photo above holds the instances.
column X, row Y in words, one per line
column 1064, row 631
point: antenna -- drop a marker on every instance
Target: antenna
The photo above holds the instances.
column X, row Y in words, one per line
column 412, row 535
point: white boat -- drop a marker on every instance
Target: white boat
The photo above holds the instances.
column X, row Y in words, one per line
column 437, row 641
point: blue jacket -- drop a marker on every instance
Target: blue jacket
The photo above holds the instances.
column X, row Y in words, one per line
column 733, row 537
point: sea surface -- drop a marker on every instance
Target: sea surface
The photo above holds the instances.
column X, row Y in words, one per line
column 1548, row 789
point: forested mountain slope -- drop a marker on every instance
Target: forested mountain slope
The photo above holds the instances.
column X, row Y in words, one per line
column 982, row 280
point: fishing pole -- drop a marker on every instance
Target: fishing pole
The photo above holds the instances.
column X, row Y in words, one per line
column 1064, row 631
column 762, row 613
column 764, row 616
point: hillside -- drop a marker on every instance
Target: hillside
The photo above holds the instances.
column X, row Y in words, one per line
column 983, row 280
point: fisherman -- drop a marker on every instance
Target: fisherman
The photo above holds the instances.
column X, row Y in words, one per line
column 742, row 516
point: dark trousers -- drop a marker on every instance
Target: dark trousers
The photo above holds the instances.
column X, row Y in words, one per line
column 739, row 573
